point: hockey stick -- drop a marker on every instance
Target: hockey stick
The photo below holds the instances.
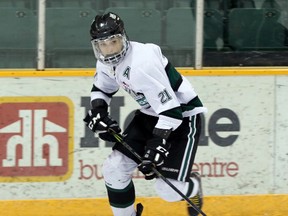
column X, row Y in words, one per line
column 119, row 138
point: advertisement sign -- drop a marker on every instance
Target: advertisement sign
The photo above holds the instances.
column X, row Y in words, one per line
column 36, row 139
column 45, row 145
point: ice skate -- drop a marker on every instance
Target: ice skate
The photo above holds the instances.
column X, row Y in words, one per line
column 139, row 209
column 197, row 200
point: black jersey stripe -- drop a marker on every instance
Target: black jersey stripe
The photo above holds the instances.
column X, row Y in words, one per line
column 95, row 89
column 195, row 102
column 174, row 76
column 173, row 113
column 183, row 172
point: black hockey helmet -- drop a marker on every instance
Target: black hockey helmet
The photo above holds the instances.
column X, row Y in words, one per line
column 107, row 27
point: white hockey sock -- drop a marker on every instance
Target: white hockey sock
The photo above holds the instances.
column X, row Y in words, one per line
column 167, row 193
column 195, row 187
column 128, row 211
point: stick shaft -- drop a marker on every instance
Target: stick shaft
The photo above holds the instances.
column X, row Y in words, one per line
column 129, row 148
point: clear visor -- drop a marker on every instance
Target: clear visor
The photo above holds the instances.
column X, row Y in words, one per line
column 110, row 50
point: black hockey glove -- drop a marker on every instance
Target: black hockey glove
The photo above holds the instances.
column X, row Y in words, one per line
column 99, row 120
column 157, row 150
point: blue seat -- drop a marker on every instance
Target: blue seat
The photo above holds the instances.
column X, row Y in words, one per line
column 29, row 4
column 67, row 37
column 134, row 3
column 180, row 28
column 73, row 3
column 255, row 29
column 227, row 5
column 271, row 4
column 71, row 58
column 68, row 27
column 208, row 4
column 247, row 4
column 180, row 36
column 213, row 29
column 183, row 3
column 18, row 28
column 143, row 25
column 18, row 58
column 18, row 38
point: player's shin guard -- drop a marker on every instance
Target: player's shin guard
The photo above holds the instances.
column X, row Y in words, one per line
column 122, row 200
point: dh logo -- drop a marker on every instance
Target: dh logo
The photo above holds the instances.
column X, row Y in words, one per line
column 32, row 153
column 36, row 139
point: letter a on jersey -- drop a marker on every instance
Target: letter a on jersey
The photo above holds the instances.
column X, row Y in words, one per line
column 126, row 73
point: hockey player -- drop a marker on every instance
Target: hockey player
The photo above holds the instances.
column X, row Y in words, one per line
column 164, row 131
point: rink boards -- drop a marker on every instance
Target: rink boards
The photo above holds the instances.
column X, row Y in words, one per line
column 242, row 155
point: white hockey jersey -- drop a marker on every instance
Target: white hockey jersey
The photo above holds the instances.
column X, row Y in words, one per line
column 152, row 81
